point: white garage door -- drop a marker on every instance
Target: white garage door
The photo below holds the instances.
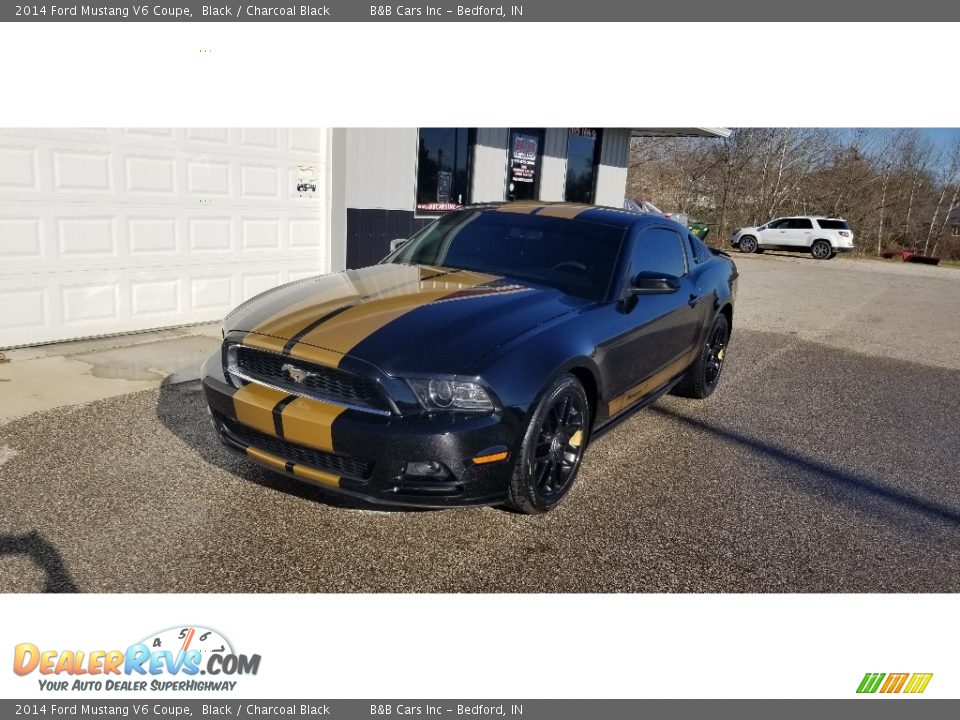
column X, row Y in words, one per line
column 112, row 231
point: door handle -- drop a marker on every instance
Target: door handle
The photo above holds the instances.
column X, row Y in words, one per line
column 694, row 299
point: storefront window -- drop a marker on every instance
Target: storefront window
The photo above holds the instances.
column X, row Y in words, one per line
column 583, row 156
column 443, row 169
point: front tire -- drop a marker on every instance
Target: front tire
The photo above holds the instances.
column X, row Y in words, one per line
column 704, row 375
column 552, row 448
column 821, row 250
column 748, row 244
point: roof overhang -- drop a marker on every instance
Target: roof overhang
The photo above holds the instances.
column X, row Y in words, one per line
column 720, row 133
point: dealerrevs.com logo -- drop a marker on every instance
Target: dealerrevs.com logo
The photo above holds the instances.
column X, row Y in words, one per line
column 172, row 659
column 892, row 683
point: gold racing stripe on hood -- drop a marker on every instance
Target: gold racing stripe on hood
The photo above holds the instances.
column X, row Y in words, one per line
column 293, row 318
column 346, row 330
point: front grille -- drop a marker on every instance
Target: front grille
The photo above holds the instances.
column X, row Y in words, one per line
column 322, row 383
column 334, row 463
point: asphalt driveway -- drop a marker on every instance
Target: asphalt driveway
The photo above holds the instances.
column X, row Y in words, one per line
column 827, row 461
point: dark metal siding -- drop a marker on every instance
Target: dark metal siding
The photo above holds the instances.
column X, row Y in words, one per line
column 369, row 232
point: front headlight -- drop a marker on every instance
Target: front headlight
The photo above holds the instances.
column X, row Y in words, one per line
column 440, row 394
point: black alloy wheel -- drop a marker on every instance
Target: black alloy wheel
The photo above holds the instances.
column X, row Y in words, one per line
column 715, row 352
column 748, row 244
column 704, row 374
column 552, row 447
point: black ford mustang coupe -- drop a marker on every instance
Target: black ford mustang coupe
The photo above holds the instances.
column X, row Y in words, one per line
column 476, row 362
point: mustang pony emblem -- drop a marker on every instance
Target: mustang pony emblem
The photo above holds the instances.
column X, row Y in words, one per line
column 298, row 375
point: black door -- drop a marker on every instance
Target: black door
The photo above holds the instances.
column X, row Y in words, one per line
column 657, row 332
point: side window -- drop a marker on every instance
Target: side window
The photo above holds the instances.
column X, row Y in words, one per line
column 658, row 250
column 698, row 251
column 777, row 224
column 800, row 224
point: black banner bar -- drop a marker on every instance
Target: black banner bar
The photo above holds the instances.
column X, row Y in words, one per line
column 872, row 708
column 519, row 11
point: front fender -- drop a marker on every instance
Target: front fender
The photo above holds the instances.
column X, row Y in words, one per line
column 520, row 369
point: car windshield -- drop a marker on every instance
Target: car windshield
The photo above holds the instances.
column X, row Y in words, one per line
column 576, row 257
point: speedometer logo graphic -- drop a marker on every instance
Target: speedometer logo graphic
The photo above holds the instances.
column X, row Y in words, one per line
column 185, row 638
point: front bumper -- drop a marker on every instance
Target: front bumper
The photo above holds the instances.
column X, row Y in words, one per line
column 367, row 456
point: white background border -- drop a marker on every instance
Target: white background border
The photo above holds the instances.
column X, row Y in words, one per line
column 561, row 75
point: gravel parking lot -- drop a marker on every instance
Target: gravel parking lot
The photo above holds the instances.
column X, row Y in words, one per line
column 827, row 461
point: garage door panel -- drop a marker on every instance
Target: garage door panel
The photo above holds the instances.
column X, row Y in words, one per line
column 20, row 239
column 148, row 235
column 18, row 167
column 260, row 138
column 26, row 308
column 210, row 234
column 259, row 181
column 261, row 234
column 218, row 136
column 305, row 233
column 306, row 139
column 208, row 177
column 155, row 297
column 150, row 175
column 84, row 171
column 84, row 236
column 256, row 283
column 117, row 230
column 89, row 302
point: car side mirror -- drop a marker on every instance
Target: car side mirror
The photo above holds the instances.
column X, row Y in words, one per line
column 646, row 283
column 397, row 243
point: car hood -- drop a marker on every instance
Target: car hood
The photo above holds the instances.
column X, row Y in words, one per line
column 400, row 318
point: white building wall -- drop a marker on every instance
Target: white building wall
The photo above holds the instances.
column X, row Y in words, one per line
column 490, row 165
column 106, row 231
column 381, row 168
column 553, row 169
column 612, row 171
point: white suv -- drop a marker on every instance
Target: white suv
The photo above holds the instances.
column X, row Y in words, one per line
column 822, row 237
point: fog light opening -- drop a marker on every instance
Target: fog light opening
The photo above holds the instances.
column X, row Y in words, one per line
column 426, row 469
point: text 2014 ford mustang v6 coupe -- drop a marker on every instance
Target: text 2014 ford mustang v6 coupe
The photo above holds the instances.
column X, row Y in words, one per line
column 474, row 364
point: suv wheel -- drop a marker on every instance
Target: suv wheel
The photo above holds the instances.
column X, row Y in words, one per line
column 748, row 244
column 552, row 448
column 821, row 250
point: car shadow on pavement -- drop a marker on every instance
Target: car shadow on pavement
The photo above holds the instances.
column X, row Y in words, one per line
column 45, row 556
column 182, row 409
column 867, row 486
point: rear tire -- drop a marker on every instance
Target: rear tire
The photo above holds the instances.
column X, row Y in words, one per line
column 704, row 374
column 748, row 244
column 821, row 250
column 552, row 448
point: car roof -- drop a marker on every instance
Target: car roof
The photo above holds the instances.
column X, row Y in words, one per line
column 808, row 217
column 600, row 214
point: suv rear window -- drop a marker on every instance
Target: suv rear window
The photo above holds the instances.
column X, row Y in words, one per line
column 833, row 224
